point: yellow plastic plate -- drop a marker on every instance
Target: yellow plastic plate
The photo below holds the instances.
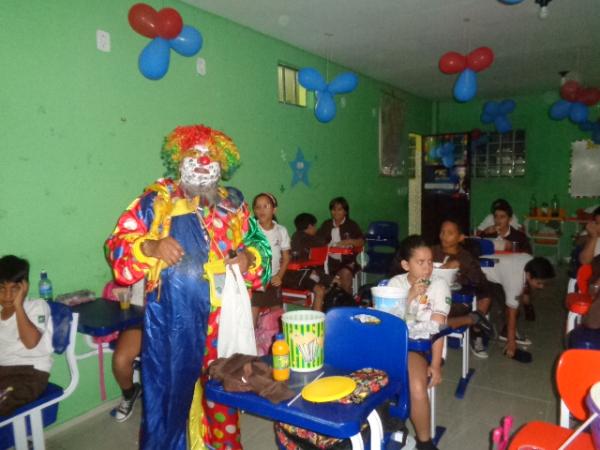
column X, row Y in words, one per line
column 328, row 389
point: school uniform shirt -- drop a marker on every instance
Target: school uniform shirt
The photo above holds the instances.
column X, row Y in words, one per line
column 279, row 239
column 13, row 352
column 348, row 229
column 436, row 300
column 513, row 235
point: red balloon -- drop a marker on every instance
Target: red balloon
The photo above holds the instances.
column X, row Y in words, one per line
column 169, row 23
column 570, row 90
column 452, row 62
column 143, row 18
column 479, row 59
column 589, row 96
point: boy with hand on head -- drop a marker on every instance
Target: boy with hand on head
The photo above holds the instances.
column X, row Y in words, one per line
column 537, row 271
column 25, row 338
column 314, row 279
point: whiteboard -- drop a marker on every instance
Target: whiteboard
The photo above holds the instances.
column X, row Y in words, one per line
column 585, row 169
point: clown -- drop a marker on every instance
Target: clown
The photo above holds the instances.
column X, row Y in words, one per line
column 171, row 235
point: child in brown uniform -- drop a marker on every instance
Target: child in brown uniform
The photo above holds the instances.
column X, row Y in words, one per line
column 454, row 256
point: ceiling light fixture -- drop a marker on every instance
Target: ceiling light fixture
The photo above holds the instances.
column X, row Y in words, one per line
column 544, row 12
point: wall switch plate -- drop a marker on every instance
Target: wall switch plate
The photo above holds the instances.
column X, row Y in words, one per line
column 201, row 66
column 103, row 41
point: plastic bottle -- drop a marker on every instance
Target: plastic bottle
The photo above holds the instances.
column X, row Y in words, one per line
column 45, row 286
column 533, row 206
column 281, row 359
column 555, row 206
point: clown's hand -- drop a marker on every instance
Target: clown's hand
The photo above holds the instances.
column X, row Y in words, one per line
column 243, row 259
column 167, row 249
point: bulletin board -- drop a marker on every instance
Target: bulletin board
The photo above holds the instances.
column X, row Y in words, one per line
column 585, row 169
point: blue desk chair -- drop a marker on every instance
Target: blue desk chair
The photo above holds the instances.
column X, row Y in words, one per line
column 381, row 243
column 351, row 345
column 465, row 296
column 31, row 419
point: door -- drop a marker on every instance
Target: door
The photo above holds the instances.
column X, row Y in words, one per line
column 446, row 183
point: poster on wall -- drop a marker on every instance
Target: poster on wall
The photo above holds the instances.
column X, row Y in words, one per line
column 585, row 166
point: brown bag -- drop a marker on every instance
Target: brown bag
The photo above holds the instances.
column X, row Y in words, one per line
column 245, row 373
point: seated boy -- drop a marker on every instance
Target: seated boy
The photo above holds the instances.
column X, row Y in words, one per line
column 509, row 236
column 454, row 256
column 304, row 238
column 25, row 338
column 488, row 225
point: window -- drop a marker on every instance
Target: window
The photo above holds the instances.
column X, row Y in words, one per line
column 392, row 150
column 290, row 91
column 499, row 155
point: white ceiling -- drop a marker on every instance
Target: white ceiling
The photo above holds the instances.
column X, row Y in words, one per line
column 401, row 41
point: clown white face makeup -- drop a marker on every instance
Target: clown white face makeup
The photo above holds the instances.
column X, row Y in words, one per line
column 199, row 170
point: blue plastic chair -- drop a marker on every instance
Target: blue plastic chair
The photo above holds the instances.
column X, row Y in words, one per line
column 381, row 244
column 352, row 345
column 33, row 417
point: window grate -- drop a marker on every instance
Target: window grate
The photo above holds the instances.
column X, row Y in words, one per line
column 290, row 91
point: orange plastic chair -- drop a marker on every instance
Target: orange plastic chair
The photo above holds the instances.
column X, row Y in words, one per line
column 576, row 372
column 578, row 303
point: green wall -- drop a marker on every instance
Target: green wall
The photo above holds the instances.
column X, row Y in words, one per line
column 548, row 152
column 82, row 132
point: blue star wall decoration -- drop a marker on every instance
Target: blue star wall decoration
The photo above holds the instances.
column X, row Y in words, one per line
column 300, row 168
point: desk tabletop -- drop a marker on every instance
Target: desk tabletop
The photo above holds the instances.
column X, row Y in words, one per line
column 102, row 317
column 331, row 418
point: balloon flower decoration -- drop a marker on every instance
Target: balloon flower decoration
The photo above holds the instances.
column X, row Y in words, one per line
column 497, row 112
column 594, row 128
column 167, row 31
column 465, row 86
column 445, row 152
column 574, row 103
column 312, row 80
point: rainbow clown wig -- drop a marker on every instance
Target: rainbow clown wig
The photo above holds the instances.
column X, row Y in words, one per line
column 183, row 141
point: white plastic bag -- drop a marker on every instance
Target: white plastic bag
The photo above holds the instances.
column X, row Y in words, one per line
column 236, row 331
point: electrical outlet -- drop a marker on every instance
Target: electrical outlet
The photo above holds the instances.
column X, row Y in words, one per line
column 103, row 41
column 201, row 66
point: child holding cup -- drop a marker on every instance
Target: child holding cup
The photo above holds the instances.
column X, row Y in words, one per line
column 429, row 299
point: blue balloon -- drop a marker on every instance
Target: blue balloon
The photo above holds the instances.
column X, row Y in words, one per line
column 510, row 2
column 311, row 79
column 188, row 43
column 487, row 118
column 560, row 110
column 502, row 124
column 325, row 107
column 154, row 59
column 435, row 152
column 586, row 126
column 448, row 161
column 491, row 108
column 465, row 87
column 343, row 83
column 447, row 150
column 578, row 113
column 507, row 106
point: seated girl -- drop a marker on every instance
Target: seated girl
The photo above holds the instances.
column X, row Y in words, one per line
column 428, row 300
column 341, row 231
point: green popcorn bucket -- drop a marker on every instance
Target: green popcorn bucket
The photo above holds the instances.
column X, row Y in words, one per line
column 304, row 332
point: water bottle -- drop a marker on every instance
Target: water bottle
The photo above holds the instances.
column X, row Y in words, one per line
column 281, row 359
column 45, row 286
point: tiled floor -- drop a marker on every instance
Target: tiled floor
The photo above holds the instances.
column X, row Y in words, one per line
column 499, row 387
